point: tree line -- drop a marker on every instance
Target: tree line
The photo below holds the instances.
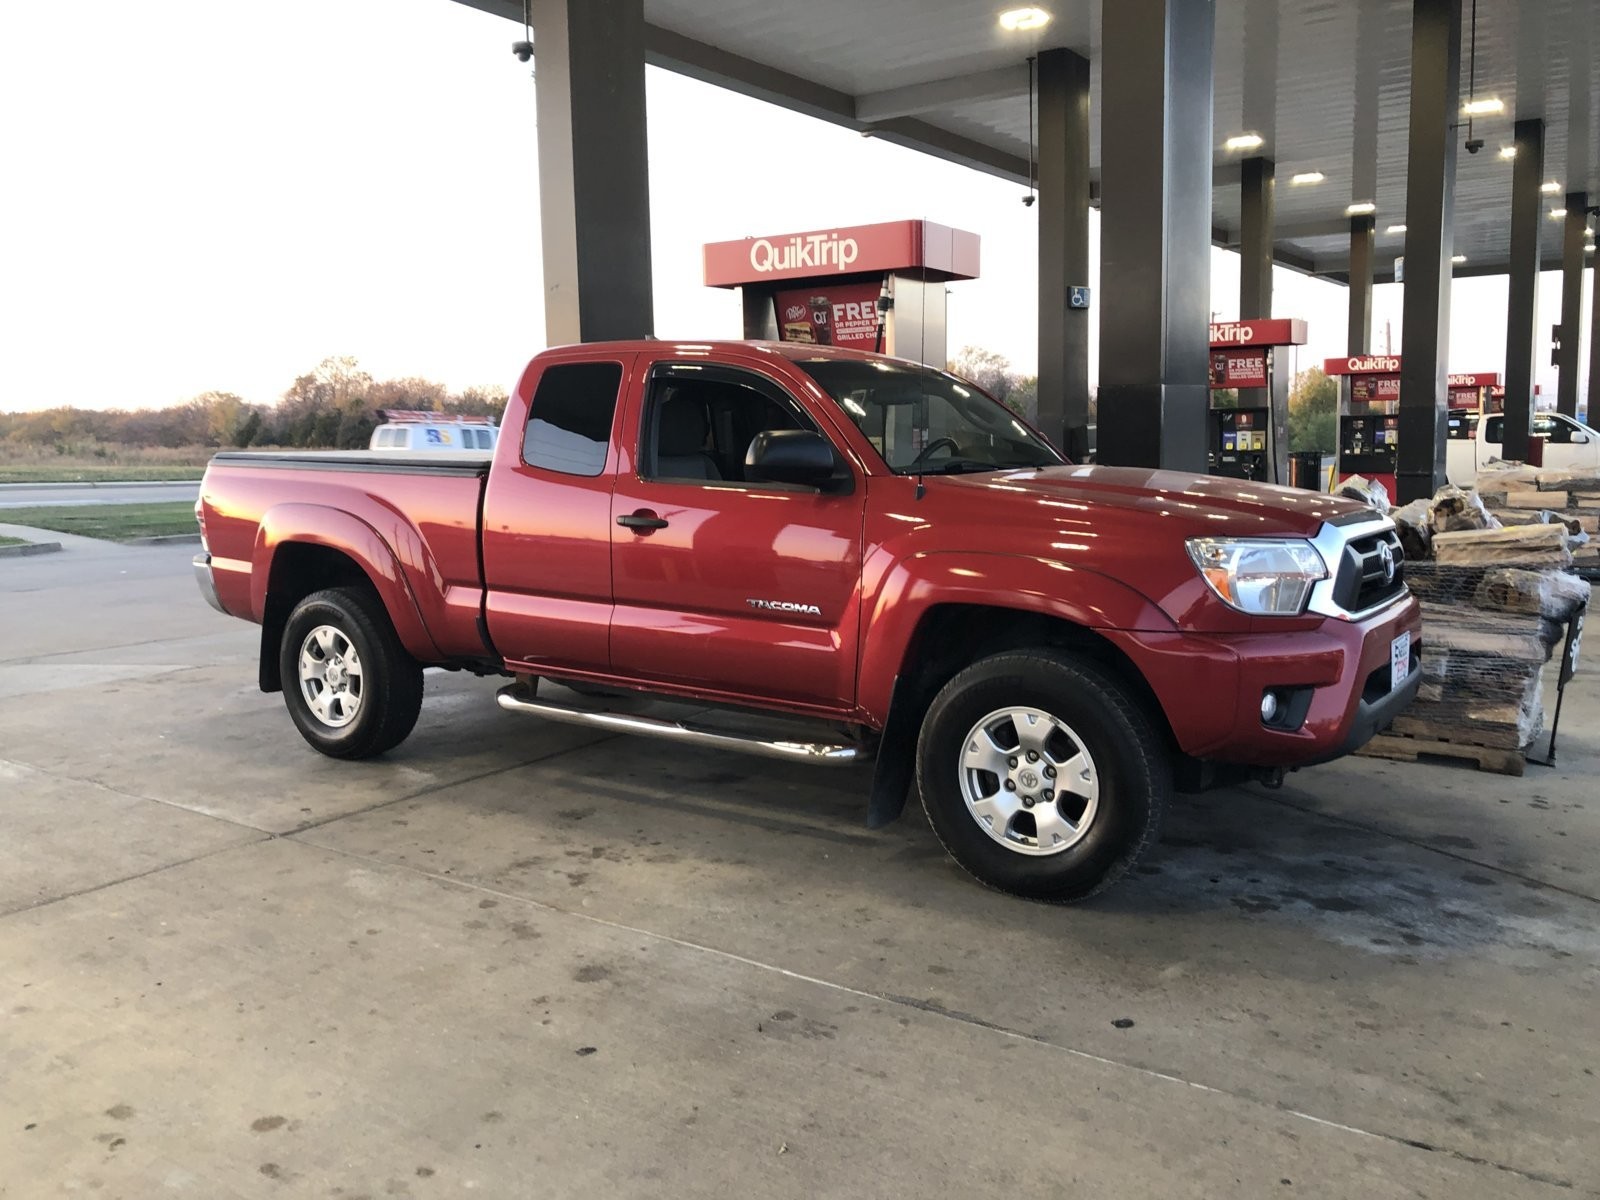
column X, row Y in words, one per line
column 335, row 406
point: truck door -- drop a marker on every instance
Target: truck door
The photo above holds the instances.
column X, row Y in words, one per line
column 722, row 584
column 1491, row 438
column 547, row 521
column 1568, row 444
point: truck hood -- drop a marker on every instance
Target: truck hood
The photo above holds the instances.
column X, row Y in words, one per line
column 1176, row 502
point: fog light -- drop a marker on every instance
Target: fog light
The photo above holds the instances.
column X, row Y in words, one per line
column 1269, row 707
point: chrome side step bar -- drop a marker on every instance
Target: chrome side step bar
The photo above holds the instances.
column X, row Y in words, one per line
column 515, row 698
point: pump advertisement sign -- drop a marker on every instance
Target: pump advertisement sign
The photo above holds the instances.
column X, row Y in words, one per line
column 841, row 314
column 1239, row 368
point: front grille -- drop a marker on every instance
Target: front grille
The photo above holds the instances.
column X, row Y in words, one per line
column 1365, row 579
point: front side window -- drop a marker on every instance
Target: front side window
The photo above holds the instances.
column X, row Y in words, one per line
column 699, row 423
column 1494, row 430
column 569, row 422
column 925, row 422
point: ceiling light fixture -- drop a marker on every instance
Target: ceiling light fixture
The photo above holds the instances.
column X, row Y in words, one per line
column 1020, row 20
column 1550, row 187
column 1458, row 259
column 1557, row 213
column 1363, row 208
column 1243, row 141
column 1479, row 108
column 1508, row 151
column 1308, row 177
column 1395, row 229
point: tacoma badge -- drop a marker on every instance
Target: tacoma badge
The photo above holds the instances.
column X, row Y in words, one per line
column 787, row 606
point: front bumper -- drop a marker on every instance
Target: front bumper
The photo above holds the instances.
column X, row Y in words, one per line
column 1210, row 686
column 207, row 582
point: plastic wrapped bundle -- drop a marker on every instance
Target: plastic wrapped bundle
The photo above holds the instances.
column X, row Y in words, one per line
column 1452, row 510
column 1411, row 524
column 1368, row 491
column 1521, row 545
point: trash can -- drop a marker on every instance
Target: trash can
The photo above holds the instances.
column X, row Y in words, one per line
column 1305, row 470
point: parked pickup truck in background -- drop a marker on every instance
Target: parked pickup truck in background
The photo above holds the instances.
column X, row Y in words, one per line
column 868, row 547
column 1475, row 441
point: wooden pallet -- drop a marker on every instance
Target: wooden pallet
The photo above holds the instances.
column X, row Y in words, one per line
column 1404, row 747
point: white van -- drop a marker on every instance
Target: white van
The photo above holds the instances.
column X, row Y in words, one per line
column 443, row 435
column 1474, row 440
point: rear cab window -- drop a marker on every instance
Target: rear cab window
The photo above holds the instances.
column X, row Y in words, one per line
column 571, row 416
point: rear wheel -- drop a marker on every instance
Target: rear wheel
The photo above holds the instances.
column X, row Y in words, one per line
column 350, row 686
column 1042, row 775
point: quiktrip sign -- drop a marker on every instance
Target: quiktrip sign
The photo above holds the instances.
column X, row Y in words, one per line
column 1363, row 364
column 1278, row 331
column 931, row 251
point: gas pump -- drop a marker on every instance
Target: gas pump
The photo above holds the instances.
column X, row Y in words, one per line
column 1250, row 440
column 869, row 287
column 1369, row 417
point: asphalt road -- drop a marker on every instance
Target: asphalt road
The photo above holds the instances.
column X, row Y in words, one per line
column 54, row 495
column 512, row 958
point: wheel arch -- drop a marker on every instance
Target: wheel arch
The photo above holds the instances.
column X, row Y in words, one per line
column 301, row 549
column 948, row 636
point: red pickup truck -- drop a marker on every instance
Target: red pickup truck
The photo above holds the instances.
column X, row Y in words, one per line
column 873, row 557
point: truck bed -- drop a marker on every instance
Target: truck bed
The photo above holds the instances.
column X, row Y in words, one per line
column 413, row 516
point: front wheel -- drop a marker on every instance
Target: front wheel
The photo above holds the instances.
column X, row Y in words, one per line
column 350, row 687
column 1042, row 775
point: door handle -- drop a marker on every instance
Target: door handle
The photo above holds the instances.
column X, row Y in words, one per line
column 644, row 520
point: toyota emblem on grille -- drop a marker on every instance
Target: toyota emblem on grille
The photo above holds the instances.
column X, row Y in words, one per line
column 1386, row 561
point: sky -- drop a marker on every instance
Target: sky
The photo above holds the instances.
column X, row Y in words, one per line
column 215, row 196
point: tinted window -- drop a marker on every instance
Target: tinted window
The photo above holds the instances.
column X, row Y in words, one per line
column 1494, row 429
column 698, row 427
column 569, row 426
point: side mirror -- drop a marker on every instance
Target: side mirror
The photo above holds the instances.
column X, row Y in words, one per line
column 1580, row 439
column 796, row 456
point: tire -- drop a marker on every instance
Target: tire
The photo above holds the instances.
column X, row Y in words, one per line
column 376, row 693
column 1091, row 831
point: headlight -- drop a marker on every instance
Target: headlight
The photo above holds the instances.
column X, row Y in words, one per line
column 1260, row 576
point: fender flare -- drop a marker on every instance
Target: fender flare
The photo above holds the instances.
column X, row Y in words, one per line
column 335, row 529
column 1025, row 584
column 920, row 583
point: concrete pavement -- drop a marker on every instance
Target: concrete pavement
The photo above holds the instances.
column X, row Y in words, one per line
column 33, row 495
column 525, row 959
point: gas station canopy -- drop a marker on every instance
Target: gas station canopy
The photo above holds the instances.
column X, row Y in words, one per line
column 1324, row 86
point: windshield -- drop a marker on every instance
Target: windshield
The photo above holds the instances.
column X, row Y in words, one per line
column 924, row 422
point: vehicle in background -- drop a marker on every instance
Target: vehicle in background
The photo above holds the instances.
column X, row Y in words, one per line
column 861, row 557
column 430, row 431
column 1474, row 441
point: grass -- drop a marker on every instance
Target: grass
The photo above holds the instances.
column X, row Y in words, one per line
column 94, row 472
column 11, row 541
column 114, row 522
column 100, row 462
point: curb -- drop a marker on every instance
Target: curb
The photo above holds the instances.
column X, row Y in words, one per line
column 165, row 539
column 102, row 483
column 29, row 548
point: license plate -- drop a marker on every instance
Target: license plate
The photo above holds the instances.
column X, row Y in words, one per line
column 1399, row 660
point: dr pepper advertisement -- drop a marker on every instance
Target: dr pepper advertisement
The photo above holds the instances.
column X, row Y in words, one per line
column 830, row 314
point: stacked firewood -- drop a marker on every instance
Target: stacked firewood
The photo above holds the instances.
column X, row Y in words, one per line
column 1526, row 495
column 1491, row 619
